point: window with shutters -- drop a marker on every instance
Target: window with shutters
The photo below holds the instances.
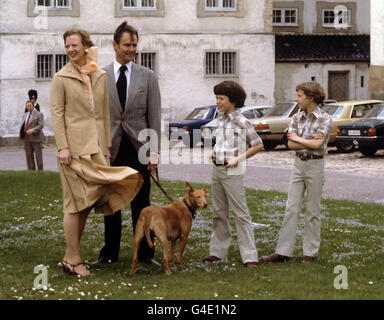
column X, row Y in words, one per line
column 48, row 64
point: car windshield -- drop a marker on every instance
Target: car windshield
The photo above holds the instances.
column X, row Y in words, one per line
column 332, row 110
column 199, row 113
column 280, row 109
column 248, row 114
column 376, row 112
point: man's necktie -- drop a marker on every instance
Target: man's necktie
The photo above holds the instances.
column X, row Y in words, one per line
column 27, row 123
column 122, row 87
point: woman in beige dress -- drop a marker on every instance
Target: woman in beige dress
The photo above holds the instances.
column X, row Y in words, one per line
column 80, row 114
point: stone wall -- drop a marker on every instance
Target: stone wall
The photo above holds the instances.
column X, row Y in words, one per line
column 288, row 75
column 179, row 38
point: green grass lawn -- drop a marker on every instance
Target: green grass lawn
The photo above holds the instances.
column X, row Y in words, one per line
column 31, row 234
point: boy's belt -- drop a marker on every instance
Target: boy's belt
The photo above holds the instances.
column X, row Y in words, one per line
column 305, row 157
column 219, row 164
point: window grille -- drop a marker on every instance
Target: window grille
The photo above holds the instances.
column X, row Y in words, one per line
column 285, row 17
column 221, row 63
column 139, row 4
column 52, row 4
column 146, row 59
column 220, row 4
column 330, row 19
column 49, row 64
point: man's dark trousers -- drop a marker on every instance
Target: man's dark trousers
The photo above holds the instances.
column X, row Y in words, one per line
column 127, row 156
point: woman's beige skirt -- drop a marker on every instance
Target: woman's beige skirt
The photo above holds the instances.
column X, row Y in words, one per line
column 90, row 182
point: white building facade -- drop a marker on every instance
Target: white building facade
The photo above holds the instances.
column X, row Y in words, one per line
column 190, row 44
column 341, row 66
column 376, row 76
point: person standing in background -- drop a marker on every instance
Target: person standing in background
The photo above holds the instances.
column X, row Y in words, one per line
column 32, row 94
column 31, row 132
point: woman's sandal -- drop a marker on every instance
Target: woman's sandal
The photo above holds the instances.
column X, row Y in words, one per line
column 69, row 268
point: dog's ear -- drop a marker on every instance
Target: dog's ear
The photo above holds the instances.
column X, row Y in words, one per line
column 205, row 189
column 188, row 187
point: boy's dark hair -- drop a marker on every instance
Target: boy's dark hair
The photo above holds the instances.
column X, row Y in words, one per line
column 312, row 89
column 124, row 27
column 235, row 92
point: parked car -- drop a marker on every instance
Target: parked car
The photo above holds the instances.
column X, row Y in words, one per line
column 273, row 125
column 184, row 129
column 368, row 133
column 250, row 112
column 346, row 112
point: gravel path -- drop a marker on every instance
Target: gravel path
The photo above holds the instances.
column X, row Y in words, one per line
column 348, row 176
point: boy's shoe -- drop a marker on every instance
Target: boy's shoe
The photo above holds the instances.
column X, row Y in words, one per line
column 251, row 264
column 274, row 258
column 308, row 259
column 211, row 259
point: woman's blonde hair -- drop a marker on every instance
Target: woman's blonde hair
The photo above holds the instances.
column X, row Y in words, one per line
column 84, row 35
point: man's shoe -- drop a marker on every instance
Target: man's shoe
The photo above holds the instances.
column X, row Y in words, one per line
column 211, row 259
column 101, row 260
column 308, row 259
column 274, row 258
column 150, row 261
column 154, row 261
column 251, row 264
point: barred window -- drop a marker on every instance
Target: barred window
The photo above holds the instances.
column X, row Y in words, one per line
column 60, row 61
column 219, row 5
column 285, row 17
column 332, row 18
column 221, row 63
column 49, row 64
column 54, row 4
column 139, row 4
column 44, row 66
column 146, row 59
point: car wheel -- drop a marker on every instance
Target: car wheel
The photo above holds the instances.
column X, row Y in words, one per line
column 369, row 152
column 269, row 145
column 345, row 147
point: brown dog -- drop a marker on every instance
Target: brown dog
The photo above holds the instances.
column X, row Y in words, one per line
column 170, row 223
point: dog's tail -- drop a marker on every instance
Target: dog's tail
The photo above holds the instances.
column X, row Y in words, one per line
column 148, row 232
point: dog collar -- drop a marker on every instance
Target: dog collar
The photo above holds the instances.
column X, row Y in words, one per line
column 193, row 211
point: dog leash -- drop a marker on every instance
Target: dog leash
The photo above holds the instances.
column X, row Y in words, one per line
column 193, row 211
column 159, row 185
